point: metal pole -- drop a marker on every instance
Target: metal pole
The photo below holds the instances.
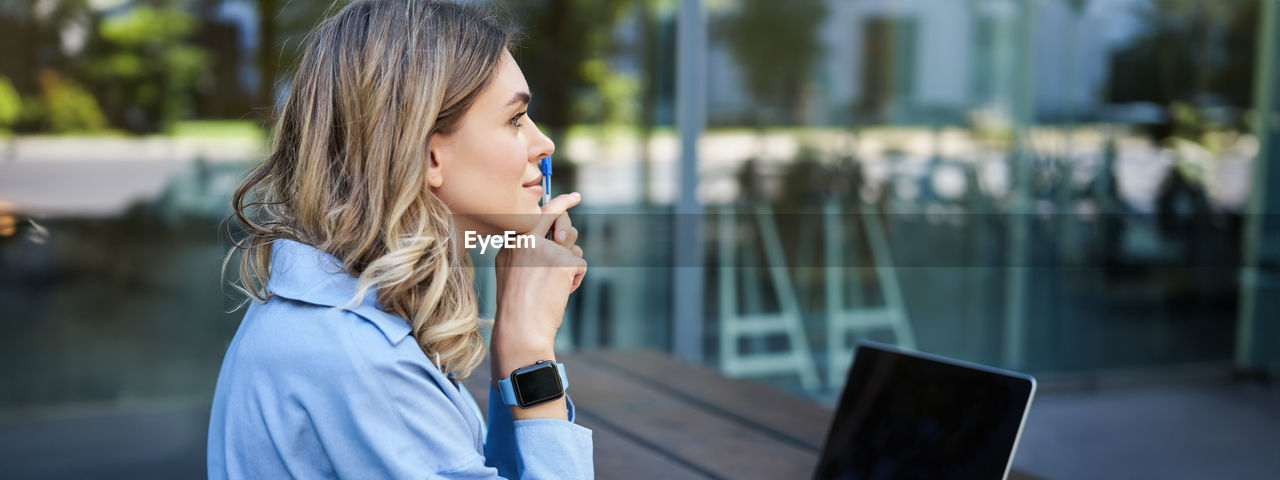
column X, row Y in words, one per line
column 1023, row 64
column 1258, row 331
column 687, row 284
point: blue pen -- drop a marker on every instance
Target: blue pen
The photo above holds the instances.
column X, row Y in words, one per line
column 545, row 166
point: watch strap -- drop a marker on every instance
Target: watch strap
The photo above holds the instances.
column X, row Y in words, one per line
column 508, row 393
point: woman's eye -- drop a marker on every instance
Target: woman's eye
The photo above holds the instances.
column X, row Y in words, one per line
column 515, row 121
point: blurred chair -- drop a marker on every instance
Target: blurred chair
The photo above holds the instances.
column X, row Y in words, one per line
column 757, row 324
column 843, row 320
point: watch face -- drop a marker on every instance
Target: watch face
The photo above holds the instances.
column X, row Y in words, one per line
column 538, row 385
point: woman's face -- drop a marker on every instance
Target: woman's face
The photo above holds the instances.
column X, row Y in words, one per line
column 486, row 170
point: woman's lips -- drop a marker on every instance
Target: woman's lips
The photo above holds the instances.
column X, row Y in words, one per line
column 535, row 186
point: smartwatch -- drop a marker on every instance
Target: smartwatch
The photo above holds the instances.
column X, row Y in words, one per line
column 535, row 384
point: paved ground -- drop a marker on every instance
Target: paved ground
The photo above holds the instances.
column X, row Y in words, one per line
column 1213, row 430
column 101, row 177
column 84, row 188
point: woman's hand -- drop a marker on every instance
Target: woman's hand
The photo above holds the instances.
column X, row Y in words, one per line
column 533, row 287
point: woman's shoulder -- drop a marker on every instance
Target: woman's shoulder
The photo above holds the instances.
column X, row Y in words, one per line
column 287, row 336
column 283, row 326
column 316, row 355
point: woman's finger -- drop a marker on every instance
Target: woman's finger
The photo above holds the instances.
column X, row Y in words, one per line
column 572, row 236
column 553, row 210
column 563, row 229
column 577, row 276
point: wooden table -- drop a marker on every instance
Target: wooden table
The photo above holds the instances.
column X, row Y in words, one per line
column 655, row 417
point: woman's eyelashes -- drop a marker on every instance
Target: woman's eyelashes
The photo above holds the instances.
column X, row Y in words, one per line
column 515, row 121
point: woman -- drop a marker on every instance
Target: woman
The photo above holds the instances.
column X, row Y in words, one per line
column 404, row 128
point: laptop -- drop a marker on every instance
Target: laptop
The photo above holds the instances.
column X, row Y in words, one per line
column 906, row 414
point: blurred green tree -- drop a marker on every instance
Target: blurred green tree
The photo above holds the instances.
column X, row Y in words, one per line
column 565, row 59
column 10, row 105
column 40, row 36
column 1191, row 52
column 282, row 26
column 62, row 106
column 144, row 67
column 775, row 44
column 564, row 55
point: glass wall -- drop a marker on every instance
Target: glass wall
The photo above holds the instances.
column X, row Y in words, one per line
column 1056, row 187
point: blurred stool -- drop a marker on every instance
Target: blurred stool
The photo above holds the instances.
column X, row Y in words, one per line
column 861, row 318
column 757, row 324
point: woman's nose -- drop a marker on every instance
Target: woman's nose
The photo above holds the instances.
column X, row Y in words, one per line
column 541, row 147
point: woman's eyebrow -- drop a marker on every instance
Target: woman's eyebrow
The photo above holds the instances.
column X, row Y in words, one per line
column 520, row 97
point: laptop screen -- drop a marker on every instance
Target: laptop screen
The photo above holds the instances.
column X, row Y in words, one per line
column 911, row 415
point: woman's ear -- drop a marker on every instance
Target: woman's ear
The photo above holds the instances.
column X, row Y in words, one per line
column 435, row 166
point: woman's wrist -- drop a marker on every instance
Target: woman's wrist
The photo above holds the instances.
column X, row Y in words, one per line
column 512, row 345
column 505, row 362
column 519, row 341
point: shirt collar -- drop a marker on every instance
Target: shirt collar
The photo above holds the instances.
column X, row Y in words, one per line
column 304, row 273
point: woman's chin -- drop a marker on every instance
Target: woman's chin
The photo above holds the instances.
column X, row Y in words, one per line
column 513, row 222
column 526, row 223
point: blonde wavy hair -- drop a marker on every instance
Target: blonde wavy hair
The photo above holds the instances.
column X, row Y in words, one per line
column 347, row 169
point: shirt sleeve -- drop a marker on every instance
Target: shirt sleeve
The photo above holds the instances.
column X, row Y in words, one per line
column 537, row 448
column 388, row 418
column 391, row 419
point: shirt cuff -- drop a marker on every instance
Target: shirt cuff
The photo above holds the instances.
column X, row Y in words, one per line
column 553, row 448
column 539, row 447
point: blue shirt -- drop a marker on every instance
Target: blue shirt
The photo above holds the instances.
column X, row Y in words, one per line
column 311, row 390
